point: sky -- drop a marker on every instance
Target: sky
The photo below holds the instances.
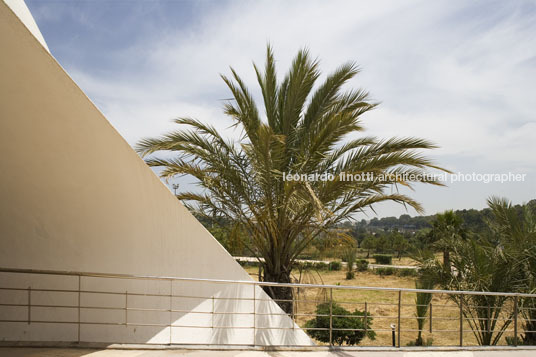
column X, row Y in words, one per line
column 459, row 73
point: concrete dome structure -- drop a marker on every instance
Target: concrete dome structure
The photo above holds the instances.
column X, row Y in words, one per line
column 76, row 197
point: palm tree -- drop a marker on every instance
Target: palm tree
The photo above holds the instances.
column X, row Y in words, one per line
column 515, row 232
column 446, row 229
column 501, row 259
column 482, row 266
column 303, row 131
column 426, row 279
column 422, row 303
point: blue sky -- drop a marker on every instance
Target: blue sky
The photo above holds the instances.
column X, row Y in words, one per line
column 461, row 73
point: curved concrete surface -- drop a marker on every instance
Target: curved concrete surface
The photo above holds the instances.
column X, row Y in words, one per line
column 76, row 197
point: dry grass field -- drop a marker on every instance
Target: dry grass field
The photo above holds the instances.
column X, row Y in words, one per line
column 383, row 306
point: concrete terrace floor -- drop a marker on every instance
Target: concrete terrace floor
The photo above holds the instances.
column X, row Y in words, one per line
column 75, row 352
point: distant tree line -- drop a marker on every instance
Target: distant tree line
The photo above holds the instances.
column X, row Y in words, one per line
column 393, row 235
column 473, row 220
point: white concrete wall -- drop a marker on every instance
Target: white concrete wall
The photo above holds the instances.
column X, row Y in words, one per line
column 23, row 13
column 76, row 197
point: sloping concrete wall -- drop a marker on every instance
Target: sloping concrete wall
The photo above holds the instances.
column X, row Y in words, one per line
column 76, row 197
column 23, row 13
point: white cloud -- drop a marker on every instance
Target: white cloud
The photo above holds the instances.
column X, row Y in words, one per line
column 445, row 71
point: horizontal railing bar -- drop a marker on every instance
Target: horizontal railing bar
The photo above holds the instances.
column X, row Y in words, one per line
column 258, row 283
column 319, row 315
column 489, row 319
column 369, row 303
column 216, row 313
column 101, row 307
column 315, row 328
column 244, row 313
column 210, row 297
column 52, row 306
column 212, row 327
column 66, row 322
column 227, row 327
column 193, row 326
column 274, row 328
column 273, row 314
column 311, row 301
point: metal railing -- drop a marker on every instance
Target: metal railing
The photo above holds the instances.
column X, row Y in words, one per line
column 394, row 315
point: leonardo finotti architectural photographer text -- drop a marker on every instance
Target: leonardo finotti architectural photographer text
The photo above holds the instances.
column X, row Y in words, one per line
column 386, row 177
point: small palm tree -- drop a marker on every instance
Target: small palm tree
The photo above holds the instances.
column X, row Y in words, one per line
column 446, row 229
column 482, row 266
column 515, row 230
column 422, row 303
column 427, row 279
column 302, row 131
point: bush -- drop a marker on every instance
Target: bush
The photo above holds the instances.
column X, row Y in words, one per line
column 429, row 342
column 321, row 266
column 354, row 320
column 350, row 275
column 384, row 271
column 349, row 258
column 406, row 272
column 383, row 258
column 362, row 265
column 312, row 265
column 335, row 265
column 246, row 263
column 304, row 265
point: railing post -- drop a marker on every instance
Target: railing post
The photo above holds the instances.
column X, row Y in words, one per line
column 126, row 308
column 430, row 317
column 366, row 324
column 254, row 317
column 294, row 308
column 331, row 317
column 515, row 320
column 170, row 310
column 399, row 311
column 212, row 314
column 490, row 320
column 461, row 320
column 79, row 289
column 29, row 304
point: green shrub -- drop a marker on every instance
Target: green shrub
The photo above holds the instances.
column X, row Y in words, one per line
column 384, row 271
column 349, row 257
column 511, row 341
column 246, row 263
column 350, row 275
column 312, row 265
column 383, row 258
column 321, row 266
column 335, row 265
column 304, row 265
column 429, row 342
column 406, row 272
column 352, row 320
column 362, row 265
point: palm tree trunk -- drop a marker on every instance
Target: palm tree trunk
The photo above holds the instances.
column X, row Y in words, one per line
column 418, row 342
column 446, row 260
column 283, row 296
